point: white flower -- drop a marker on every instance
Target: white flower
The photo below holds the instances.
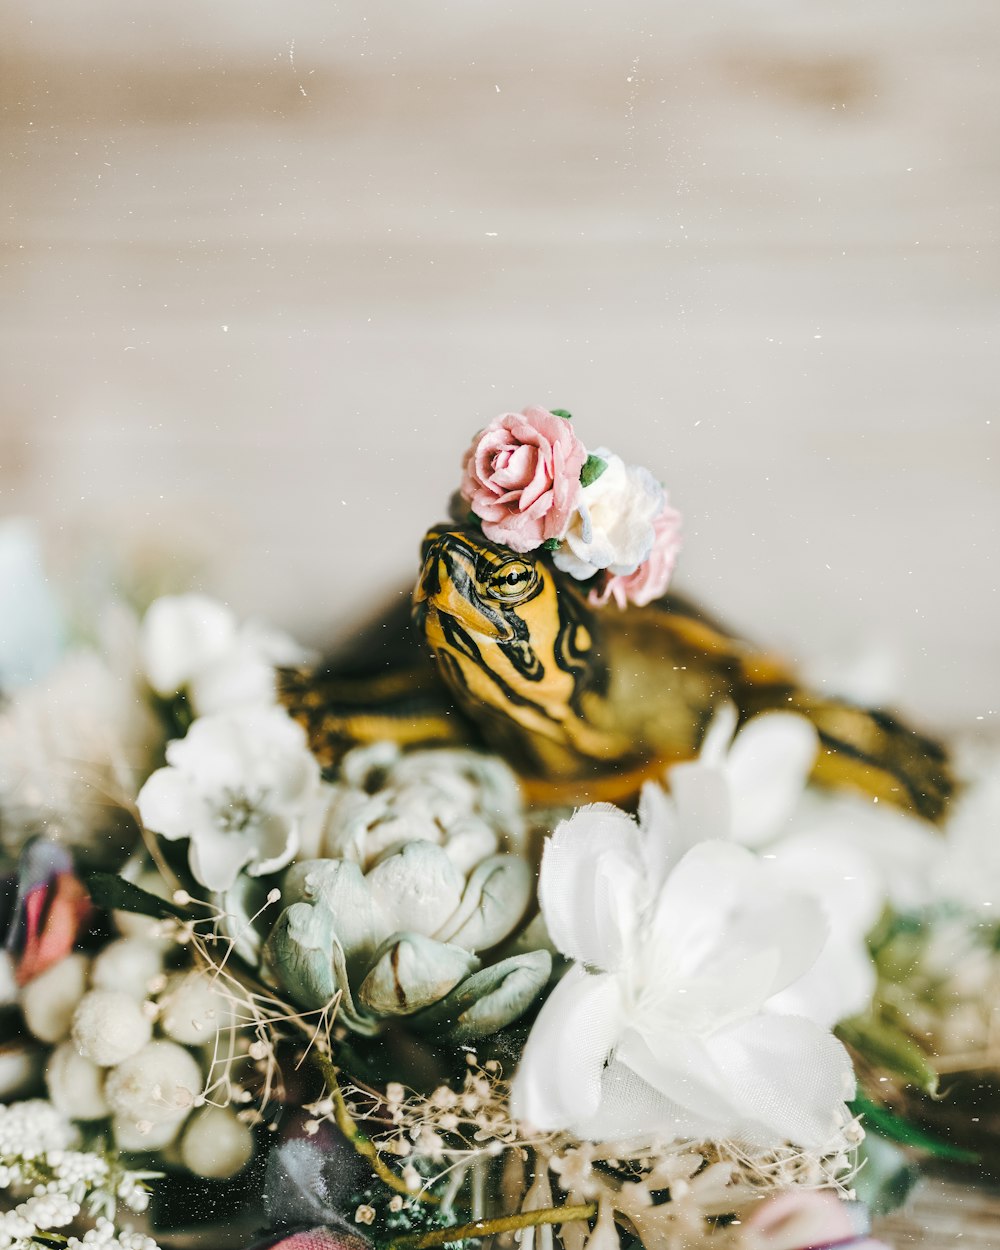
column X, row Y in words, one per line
column 665, row 1024
column 765, row 768
column 613, row 527
column 195, row 644
column 238, row 785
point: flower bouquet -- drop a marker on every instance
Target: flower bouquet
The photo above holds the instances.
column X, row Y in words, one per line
column 560, row 918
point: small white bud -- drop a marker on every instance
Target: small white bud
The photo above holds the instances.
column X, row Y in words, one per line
column 130, row 965
column 160, row 1083
column 49, row 1000
column 109, row 1026
column 216, row 1143
column 76, row 1086
column 193, row 1009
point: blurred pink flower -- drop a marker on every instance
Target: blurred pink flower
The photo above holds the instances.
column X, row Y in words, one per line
column 805, row 1219
column 315, row 1239
column 521, row 477
column 43, row 906
column 651, row 578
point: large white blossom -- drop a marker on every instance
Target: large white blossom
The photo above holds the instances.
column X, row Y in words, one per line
column 239, row 785
column 195, row 644
column 666, row 1023
column 613, row 527
column 764, row 769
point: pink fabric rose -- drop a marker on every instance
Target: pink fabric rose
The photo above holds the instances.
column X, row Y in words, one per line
column 805, row 1219
column 651, row 578
column 521, row 477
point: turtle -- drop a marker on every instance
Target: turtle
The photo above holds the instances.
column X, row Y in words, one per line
column 501, row 650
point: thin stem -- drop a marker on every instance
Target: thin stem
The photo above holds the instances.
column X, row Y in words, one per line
column 362, row 1144
column 487, row 1228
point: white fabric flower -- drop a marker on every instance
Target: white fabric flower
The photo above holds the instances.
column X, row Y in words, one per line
column 666, row 1024
column 195, row 644
column 764, row 768
column 238, row 785
column 613, row 527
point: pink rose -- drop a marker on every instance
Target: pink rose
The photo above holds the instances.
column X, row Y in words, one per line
column 805, row 1219
column 651, row 578
column 521, row 477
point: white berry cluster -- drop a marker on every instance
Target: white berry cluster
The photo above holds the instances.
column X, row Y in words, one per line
column 50, row 1183
column 131, row 1043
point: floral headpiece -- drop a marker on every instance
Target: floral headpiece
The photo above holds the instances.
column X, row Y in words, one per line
column 530, row 482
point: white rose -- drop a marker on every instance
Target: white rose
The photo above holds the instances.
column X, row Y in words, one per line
column 613, row 527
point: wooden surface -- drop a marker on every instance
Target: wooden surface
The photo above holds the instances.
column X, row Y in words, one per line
column 943, row 1215
column 266, row 267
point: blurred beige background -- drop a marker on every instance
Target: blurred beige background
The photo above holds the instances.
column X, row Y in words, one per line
column 268, row 266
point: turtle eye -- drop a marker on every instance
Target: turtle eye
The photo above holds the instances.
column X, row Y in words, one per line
column 513, row 580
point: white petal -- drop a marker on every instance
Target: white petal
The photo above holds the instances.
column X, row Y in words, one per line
column 171, row 805
column 592, row 884
column 787, row 1076
column 180, row 634
column 767, row 767
column 704, row 806
column 719, row 734
column 216, row 858
column 558, row 1081
column 705, row 888
column 680, row 1068
column 662, row 840
column 840, row 984
column 274, row 840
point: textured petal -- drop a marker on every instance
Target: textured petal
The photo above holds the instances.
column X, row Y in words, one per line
column 840, row 984
column 418, row 888
column 681, row 1069
column 705, row 888
column 592, row 884
column 788, row 1077
column 412, row 971
column 558, row 1082
column 496, row 897
column 767, row 767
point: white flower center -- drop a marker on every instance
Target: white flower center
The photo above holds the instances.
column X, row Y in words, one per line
column 239, row 810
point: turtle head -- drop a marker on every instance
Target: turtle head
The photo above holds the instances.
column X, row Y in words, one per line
column 514, row 641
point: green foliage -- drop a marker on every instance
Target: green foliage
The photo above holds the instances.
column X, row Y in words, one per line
column 886, row 1046
column 561, row 412
column 592, row 469
column 896, row 1129
column 114, row 893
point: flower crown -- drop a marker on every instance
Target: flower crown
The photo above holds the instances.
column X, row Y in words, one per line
column 530, row 482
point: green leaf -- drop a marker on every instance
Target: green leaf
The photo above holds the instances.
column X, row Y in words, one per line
column 561, row 412
column 896, row 1129
column 551, row 544
column 114, row 893
column 885, row 1176
column 592, row 469
column 888, row 1048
